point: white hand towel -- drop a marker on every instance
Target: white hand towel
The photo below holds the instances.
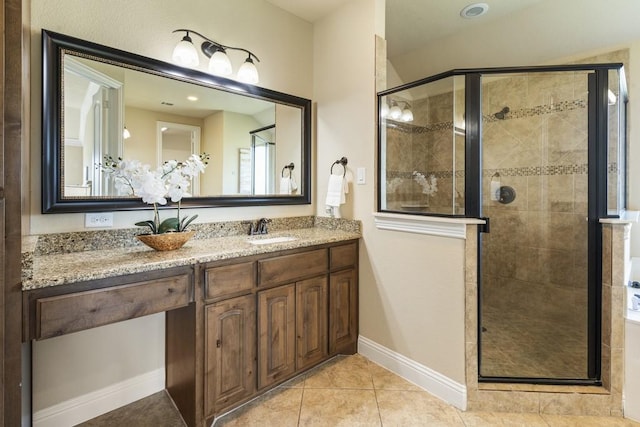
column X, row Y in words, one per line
column 285, row 185
column 293, row 184
column 335, row 190
column 345, row 190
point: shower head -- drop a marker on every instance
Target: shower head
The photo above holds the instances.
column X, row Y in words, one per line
column 500, row 115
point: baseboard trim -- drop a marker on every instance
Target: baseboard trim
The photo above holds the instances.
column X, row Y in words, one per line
column 91, row 405
column 434, row 382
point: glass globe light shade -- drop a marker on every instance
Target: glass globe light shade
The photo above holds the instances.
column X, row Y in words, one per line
column 219, row 63
column 248, row 73
column 185, row 53
column 407, row 115
column 395, row 112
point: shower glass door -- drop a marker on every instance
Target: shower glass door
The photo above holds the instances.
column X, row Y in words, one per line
column 534, row 293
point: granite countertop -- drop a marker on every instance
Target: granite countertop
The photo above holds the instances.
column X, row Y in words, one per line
column 64, row 268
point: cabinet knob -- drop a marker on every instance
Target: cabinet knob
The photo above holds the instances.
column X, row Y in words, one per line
column 218, row 343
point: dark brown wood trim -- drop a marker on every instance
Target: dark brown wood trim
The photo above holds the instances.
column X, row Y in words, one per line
column 11, row 37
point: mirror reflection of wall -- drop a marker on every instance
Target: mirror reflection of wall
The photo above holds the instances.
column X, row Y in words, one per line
column 288, row 149
column 263, row 160
column 176, row 141
column 93, row 113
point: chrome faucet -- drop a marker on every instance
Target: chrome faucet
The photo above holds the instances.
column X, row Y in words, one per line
column 260, row 227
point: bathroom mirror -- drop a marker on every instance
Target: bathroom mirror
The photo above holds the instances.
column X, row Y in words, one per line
column 100, row 101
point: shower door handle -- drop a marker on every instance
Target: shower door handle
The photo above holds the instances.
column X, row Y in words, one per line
column 486, row 227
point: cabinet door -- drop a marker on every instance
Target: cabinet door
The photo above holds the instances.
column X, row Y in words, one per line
column 311, row 321
column 343, row 312
column 276, row 326
column 230, row 352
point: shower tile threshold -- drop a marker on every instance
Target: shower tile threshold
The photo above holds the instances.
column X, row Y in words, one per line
column 544, row 388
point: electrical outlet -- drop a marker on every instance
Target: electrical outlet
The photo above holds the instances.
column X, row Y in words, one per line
column 98, row 220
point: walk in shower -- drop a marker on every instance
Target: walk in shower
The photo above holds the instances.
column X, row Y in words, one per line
column 539, row 153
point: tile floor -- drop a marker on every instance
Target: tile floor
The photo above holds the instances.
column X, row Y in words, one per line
column 519, row 342
column 352, row 391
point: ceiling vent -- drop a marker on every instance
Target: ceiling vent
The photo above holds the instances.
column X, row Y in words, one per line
column 474, row 10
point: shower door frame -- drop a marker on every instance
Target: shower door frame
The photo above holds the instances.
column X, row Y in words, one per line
column 597, row 143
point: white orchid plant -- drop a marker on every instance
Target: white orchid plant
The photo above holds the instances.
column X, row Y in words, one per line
column 429, row 185
column 169, row 181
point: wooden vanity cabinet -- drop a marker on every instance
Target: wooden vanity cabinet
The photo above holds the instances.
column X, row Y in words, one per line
column 230, row 346
column 343, row 299
column 292, row 329
column 269, row 317
column 230, row 352
column 311, row 321
column 234, row 328
column 276, row 335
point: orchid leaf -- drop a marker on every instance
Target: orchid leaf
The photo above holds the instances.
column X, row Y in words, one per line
column 186, row 221
column 148, row 223
column 168, row 225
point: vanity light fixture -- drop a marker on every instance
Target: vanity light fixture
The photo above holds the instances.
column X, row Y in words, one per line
column 395, row 112
column 407, row 114
column 125, row 133
column 186, row 55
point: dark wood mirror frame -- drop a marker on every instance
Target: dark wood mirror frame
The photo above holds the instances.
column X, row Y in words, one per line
column 55, row 45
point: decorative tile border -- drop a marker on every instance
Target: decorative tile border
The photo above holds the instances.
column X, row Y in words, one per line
column 574, row 169
column 538, row 110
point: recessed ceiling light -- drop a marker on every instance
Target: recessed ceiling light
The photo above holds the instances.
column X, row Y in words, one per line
column 474, row 10
column 192, row 98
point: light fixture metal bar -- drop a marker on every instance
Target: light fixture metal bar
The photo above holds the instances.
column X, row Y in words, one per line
column 209, row 47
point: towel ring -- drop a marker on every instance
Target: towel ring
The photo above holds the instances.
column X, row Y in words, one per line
column 290, row 166
column 343, row 161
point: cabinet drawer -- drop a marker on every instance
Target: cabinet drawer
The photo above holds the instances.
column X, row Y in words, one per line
column 63, row 314
column 229, row 279
column 343, row 256
column 288, row 268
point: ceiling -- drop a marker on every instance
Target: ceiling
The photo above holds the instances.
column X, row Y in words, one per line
column 413, row 24
column 309, row 10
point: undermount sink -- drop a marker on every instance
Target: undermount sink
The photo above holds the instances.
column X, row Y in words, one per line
column 269, row 240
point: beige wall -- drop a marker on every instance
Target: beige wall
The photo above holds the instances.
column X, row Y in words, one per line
column 73, row 365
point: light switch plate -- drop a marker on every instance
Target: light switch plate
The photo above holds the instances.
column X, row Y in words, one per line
column 98, row 220
column 361, row 176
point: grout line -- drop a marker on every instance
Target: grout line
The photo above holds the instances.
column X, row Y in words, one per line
column 300, row 408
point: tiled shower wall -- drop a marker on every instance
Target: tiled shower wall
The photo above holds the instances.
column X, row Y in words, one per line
column 427, row 145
